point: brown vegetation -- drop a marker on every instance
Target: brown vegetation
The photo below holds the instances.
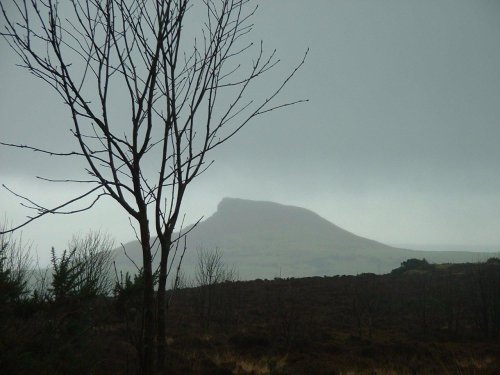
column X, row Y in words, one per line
column 420, row 319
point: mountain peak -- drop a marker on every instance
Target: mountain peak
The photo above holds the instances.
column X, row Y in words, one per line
column 237, row 211
column 263, row 239
column 230, row 203
column 245, row 206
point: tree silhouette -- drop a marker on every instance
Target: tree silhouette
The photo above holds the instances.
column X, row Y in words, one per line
column 184, row 96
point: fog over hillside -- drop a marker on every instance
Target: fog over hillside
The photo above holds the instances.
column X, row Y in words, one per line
column 266, row 239
column 398, row 142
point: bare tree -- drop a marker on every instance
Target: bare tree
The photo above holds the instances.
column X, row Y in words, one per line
column 94, row 252
column 211, row 270
column 84, row 269
column 185, row 95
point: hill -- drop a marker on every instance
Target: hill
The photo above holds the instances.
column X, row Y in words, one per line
column 266, row 239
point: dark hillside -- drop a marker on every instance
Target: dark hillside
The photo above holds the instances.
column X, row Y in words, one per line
column 419, row 319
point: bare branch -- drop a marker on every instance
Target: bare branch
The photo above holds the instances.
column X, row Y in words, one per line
column 42, row 211
column 177, row 107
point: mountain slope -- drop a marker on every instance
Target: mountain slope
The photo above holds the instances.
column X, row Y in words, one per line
column 244, row 224
column 265, row 239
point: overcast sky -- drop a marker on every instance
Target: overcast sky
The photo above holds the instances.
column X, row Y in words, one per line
column 399, row 141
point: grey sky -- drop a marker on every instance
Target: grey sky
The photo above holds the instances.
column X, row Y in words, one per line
column 398, row 143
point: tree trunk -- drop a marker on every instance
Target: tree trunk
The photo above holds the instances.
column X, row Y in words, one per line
column 147, row 359
column 165, row 244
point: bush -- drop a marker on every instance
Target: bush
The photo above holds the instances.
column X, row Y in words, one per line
column 413, row 264
column 84, row 271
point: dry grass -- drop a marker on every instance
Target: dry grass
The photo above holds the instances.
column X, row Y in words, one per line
column 243, row 365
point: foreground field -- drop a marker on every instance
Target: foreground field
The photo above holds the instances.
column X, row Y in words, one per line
column 420, row 319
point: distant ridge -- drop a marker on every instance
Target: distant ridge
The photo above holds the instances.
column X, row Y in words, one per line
column 267, row 239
